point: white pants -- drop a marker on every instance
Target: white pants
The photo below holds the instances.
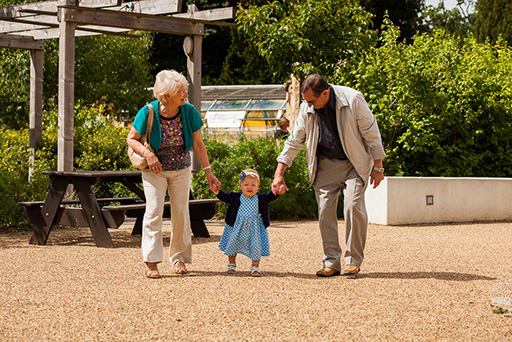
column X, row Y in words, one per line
column 177, row 183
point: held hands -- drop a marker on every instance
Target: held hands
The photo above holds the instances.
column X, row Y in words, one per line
column 279, row 186
column 213, row 182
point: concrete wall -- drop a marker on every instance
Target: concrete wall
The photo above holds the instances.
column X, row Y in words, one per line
column 403, row 200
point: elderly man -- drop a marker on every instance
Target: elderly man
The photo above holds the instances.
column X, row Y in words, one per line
column 344, row 151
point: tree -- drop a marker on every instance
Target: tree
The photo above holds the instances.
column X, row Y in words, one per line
column 458, row 21
column 403, row 13
column 110, row 69
column 303, row 37
column 494, row 18
column 443, row 103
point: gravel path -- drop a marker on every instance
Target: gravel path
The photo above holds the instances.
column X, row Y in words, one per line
column 421, row 283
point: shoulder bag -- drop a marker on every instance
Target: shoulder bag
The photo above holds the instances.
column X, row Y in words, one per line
column 138, row 161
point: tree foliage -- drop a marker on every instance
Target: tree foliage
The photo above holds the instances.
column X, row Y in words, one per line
column 443, row 104
column 457, row 21
column 494, row 19
column 109, row 68
column 302, row 37
column 403, row 13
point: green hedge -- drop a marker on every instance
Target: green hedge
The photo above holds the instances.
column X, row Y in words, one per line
column 444, row 104
column 228, row 160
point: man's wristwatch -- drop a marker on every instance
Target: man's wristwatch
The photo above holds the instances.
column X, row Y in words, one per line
column 379, row 169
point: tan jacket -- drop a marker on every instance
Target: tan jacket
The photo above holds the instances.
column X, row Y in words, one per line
column 357, row 127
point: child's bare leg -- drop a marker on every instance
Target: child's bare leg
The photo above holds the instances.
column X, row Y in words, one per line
column 232, row 259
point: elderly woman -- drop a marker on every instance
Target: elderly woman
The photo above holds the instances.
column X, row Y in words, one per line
column 176, row 125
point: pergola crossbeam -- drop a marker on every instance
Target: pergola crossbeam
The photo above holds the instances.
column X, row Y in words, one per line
column 20, row 42
column 50, row 6
column 131, row 21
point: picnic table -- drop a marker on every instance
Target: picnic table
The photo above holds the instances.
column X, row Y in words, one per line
column 97, row 213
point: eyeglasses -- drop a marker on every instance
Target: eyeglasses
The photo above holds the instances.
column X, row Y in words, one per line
column 312, row 103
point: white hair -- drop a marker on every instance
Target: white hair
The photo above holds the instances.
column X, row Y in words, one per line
column 168, row 82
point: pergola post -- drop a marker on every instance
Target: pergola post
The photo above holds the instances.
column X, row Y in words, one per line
column 194, row 70
column 36, row 105
column 66, row 91
column 192, row 45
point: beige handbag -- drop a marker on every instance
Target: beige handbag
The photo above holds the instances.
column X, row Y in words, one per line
column 137, row 160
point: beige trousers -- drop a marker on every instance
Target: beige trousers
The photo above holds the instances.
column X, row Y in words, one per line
column 332, row 176
column 177, row 184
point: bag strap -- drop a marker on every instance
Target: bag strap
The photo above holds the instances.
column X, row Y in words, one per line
column 149, row 125
column 150, row 119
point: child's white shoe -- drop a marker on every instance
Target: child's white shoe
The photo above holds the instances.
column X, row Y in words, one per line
column 255, row 271
column 231, row 268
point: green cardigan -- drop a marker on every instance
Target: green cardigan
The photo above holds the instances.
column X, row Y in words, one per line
column 190, row 118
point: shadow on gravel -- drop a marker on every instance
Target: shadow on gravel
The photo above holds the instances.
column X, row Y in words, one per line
column 453, row 276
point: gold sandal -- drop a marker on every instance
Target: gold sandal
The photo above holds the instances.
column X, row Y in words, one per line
column 180, row 267
column 152, row 272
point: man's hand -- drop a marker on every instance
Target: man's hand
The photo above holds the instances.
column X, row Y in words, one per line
column 278, row 185
column 376, row 178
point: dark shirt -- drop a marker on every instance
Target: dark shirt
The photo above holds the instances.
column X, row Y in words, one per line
column 329, row 142
column 281, row 134
column 233, row 198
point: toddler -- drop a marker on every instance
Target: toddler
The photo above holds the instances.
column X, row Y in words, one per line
column 246, row 221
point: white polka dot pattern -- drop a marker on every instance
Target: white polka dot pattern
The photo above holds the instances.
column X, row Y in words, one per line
column 248, row 236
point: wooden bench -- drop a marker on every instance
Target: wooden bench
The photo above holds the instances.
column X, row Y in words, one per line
column 200, row 209
column 114, row 215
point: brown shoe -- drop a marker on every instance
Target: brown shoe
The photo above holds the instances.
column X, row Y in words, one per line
column 327, row 272
column 351, row 269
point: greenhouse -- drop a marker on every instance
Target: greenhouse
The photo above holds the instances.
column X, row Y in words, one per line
column 251, row 109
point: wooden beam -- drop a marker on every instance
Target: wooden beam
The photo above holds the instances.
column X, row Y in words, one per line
column 51, row 6
column 225, row 13
column 194, row 71
column 43, row 20
column 80, row 31
column 66, row 101
column 20, row 42
column 132, row 21
column 13, row 26
column 36, row 106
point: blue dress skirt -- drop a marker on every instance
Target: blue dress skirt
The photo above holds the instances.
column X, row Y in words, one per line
column 248, row 236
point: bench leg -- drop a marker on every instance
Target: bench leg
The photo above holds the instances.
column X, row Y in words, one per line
column 44, row 220
column 92, row 213
column 199, row 228
column 137, row 228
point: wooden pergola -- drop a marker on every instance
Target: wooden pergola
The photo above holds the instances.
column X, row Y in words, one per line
column 27, row 26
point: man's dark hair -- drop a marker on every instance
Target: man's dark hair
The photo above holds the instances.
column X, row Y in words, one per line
column 316, row 83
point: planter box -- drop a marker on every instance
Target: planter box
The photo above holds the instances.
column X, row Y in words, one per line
column 409, row 200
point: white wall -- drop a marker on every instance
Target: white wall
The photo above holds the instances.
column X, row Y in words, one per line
column 402, row 200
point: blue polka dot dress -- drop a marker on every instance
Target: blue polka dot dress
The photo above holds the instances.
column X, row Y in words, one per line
column 248, row 236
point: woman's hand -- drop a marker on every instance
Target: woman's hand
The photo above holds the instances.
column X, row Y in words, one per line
column 213, row 182
column 153, row 164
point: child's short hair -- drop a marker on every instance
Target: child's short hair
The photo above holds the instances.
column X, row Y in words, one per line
column 251, row 173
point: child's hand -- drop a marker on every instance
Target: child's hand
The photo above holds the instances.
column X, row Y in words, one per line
column 215, row 189
column 282, row 189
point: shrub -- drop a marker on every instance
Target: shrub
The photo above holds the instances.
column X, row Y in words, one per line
column 443, row 104
column 260, row 154
column 14, row 184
